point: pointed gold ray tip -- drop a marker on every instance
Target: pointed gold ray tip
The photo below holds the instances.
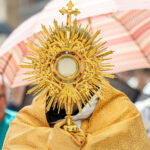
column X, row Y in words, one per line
column 69, row 12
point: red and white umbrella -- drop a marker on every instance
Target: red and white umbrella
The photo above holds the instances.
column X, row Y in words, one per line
column 124, row 24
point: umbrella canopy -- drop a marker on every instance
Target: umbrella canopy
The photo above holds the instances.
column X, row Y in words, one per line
column 127, row 31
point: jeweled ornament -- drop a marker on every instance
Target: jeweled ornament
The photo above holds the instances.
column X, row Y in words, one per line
column 71, row 69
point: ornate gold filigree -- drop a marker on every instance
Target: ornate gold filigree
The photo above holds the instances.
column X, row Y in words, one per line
column 69, row 12
column 76, row 43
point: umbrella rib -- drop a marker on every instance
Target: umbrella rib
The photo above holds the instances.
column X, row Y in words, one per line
column 6, row 63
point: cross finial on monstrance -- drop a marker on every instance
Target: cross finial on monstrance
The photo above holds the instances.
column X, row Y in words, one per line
column 69, row 12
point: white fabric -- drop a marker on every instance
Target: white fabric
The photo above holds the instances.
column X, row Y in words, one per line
column 144, row 108
column 86, row 112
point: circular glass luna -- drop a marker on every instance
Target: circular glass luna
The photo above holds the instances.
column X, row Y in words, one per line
column 67, row 66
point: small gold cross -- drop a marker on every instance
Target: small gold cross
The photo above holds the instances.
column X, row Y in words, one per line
column 69, row 12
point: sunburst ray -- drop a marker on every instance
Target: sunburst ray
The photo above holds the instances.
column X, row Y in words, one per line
column 81, row 45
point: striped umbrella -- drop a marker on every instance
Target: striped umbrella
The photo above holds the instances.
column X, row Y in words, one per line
column 124, row 24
